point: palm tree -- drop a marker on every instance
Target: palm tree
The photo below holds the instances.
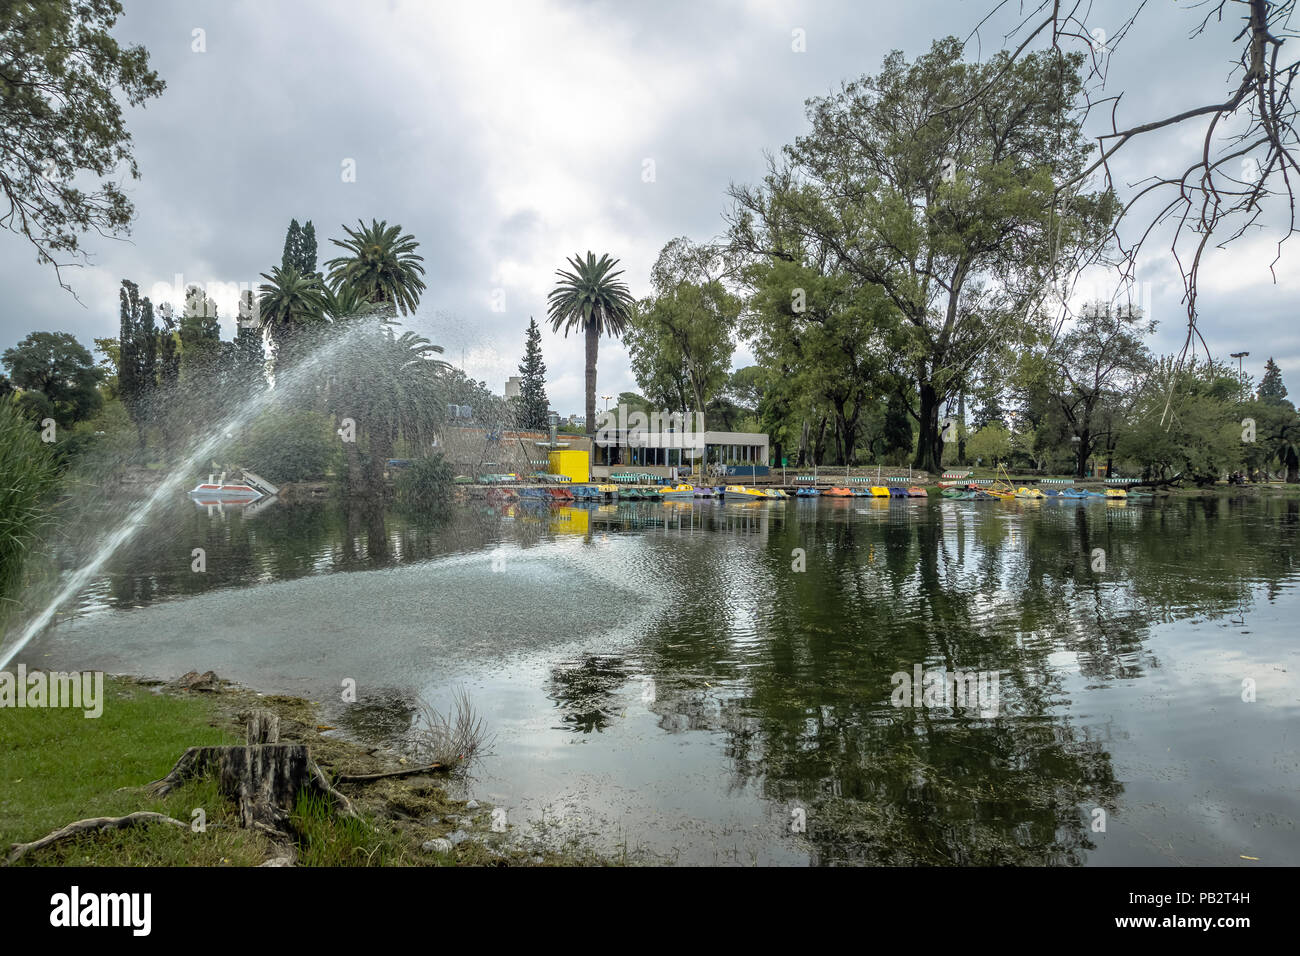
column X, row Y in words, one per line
column 289, row 301
column 590, row 298
column 345, row 302
column 381, row 265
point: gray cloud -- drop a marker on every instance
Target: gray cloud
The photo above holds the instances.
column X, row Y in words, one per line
column 509, row 136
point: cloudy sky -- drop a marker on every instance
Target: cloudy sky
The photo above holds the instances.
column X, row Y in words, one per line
column 508, row 136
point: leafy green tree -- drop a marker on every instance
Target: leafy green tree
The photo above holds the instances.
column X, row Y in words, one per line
column 532, row 405
column 1102, row 357
column 912, row 181
column 381, row 265
column 593, row 300
column 828, row 342
column 57, row 367
column 635, row 403
column 746, row 387
column 65, row 82
column 990, row 443
column 1271, row 389
column 683, row 331
column 1277, row 437
column 1186, row 421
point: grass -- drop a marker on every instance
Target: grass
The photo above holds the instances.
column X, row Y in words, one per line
column 452, row 738
column 58, row 766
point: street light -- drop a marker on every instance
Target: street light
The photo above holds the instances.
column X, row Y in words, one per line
column 1240, row 373
column 607, row 398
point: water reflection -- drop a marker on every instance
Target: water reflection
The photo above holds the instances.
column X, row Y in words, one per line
column 782, row 667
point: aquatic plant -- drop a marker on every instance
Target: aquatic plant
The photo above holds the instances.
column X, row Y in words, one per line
column 452, row 738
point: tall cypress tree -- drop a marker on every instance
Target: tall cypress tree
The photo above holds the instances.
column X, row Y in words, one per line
column 307, row 249
column 532, row 405
column 1271, row 389
column 292, row 241
column 138, row 365
column 299, row 248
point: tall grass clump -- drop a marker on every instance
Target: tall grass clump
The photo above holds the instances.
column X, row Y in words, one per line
column 28, row 476
column 451, row 738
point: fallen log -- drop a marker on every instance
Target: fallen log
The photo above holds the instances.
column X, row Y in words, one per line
column 90, row 825
column 409, row 772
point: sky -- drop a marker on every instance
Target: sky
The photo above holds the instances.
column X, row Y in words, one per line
column 509, row 136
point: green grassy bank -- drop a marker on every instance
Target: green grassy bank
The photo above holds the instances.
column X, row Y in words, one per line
column 58, row 766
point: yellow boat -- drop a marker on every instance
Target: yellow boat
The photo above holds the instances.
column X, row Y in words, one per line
column 741, row 493
column 1116, row 493
column 1002, row 486
column 880, row 491
column 1023, row 492
column 776, row 493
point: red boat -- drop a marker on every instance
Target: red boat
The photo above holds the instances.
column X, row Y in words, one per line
column 249, row 487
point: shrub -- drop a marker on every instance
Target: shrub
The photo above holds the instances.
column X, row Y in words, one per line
column 28, row 476
column 427, row 481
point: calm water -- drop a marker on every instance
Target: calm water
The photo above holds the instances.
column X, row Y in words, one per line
column 679, row 678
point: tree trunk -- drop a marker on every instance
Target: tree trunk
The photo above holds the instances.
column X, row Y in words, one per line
column 1085, row 450
column 929, row 454
column 1292, row 467
column 593, row 344
column 961, row 425
column 353, row 454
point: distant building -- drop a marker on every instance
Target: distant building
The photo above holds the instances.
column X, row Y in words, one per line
column 513, row 386
column 687, row 452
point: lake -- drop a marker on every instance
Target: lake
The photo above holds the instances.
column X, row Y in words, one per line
column 703, row 682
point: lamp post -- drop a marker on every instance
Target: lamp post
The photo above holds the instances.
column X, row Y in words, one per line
column 1241, row 375
column 607, row 398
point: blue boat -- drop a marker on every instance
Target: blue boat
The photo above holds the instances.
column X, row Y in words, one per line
column 896, row 492
column 807, row 493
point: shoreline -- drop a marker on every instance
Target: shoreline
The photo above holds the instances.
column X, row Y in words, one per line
column 409, row 820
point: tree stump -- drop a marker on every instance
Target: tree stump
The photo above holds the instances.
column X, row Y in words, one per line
column 263, row 777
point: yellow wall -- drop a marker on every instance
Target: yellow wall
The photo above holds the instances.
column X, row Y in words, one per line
column 575, row 464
